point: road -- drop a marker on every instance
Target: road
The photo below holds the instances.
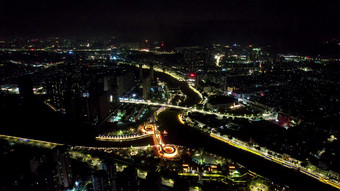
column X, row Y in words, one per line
column 241, row 146
column 180, row 134
column 191, row 109
column 33, row 142
column 288, row 164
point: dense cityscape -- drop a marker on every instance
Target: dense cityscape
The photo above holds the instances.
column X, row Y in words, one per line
column 120, row 95
column 115, row 96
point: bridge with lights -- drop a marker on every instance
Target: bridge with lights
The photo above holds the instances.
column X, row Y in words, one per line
column 191, row 109
column 170, row 151
column 163, row 150
column 29, row 141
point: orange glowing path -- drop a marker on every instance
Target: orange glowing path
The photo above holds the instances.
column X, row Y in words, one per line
column 163, row 150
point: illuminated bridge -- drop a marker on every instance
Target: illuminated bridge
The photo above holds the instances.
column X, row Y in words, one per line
column 135, row 101
column 28, row 141
column 170, row 151
column 146, row 130
column 121, row 138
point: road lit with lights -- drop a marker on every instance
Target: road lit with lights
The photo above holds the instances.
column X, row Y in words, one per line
column 238, row 144
column 168, row 72
column 167, row 151
column 33, row 142
column 170, row 151
column 191, row 109
column 241, row 145
column 180, row 119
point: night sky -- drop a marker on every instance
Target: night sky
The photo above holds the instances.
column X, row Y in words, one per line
column 208, row 21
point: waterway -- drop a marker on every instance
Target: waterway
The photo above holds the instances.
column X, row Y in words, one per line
column 190, row 137
column 51, row 129
column 187, row 136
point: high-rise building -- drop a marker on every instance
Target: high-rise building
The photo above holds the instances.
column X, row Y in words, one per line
column 100, row 181
column 152, row 75
column 141, row 72
column 99, row 98
column 43, row 172
column 63, row 168
column 146, row 83
column 55, row 92
column 73, row 106
column 125, row 82
column 26, row 86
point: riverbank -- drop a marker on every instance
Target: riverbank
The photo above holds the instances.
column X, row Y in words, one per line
column 183, row 135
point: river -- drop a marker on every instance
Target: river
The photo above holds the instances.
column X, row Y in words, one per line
column 187, row 136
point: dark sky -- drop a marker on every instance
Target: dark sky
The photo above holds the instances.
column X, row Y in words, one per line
column 180, row 20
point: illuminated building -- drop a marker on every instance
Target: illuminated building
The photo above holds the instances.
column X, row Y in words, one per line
column 148, row 82
column 55, row 92
column 193, row 79
column 218, row 58
column 283, row 120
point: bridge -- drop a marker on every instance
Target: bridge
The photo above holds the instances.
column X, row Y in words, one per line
column 191, row 109
column 121, row 138
column 29, row 141
column 171, row 151
column 145, row 130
